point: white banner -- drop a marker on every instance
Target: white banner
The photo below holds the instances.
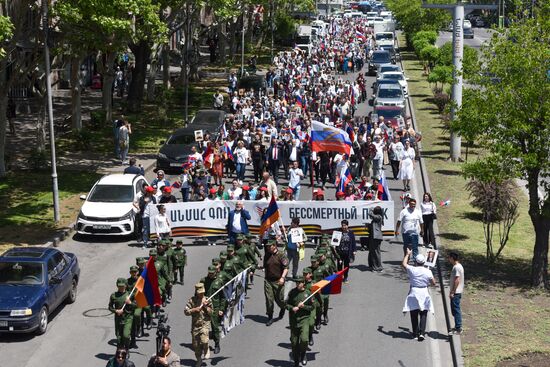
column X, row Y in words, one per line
column 209, row 218
column 234, row 293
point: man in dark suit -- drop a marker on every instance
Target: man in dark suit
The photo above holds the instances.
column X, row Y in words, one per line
column 236, row 222
column 275, row 154
column 132, row 169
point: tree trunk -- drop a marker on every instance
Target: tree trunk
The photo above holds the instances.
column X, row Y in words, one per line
column 141, row 51
column 76, row 100
column 41, row 125
column 222, row 40
column 107, row 91
column 153, row 70
column 232, row 40
column 538, row 211
column 165, row 67
column 3, row 123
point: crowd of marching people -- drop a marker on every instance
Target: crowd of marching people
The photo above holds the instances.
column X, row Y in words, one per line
column 271, row 133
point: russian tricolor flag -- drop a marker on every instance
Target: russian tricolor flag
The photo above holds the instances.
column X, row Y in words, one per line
column 228, row 151
column 329, row 139
column 299, row 101
column 147, row 286
column 344, row 179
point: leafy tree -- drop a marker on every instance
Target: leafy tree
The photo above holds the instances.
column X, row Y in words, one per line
column 108, row 26
column 509, row 116
column 429, row 55
column 441, row 75
column 470, row 59
column 6, row 32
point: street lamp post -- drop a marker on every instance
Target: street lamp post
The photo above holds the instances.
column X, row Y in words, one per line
column 242, row 49
column 55, row 191
column 459, row 10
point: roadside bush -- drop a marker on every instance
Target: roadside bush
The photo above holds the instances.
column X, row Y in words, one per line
column 470, row 59
column 440, row 76
column 429, row 55
column 97, row 118
column 37, row 160
column 429, row 36
column 82, row 139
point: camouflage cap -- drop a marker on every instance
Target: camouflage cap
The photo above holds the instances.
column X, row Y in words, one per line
column 133, row 268
column 179, row 242
column 223, row 253
column 121, row 281
column 314, row 258
column 215, row 261
column 171, row 239
column 223, row 257
column 230, row 248
column 306, row 270
column 212, row 269
column 141, row 260
column 299, row 279
column 153, row 252
column 240, row 236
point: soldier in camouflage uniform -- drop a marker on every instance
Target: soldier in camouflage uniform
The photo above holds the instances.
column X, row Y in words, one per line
column 136, row 321
column 164, row 257
column 299, row 315
column 231, row 265
column 324, row 271
column 200, row 310
column 315, row 301
column 123, row 307
column 318, row 273
column 160, row 266
column 146, row 314
column 180, row 261
column 254, row 252
column 219, row 305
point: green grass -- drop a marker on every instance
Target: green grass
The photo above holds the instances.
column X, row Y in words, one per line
column 26, row 203
column 502, row 316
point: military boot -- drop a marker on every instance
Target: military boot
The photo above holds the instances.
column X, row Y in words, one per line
column 217, row 348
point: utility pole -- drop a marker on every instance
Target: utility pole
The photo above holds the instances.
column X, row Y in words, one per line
column 242, row 49
column 55, row 190
column 186, row 60
column 271, row 10
column 459, row 10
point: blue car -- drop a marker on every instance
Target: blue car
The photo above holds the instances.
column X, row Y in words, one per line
column 33, row 283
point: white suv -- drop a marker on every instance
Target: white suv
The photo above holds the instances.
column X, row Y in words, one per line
column 109, row 207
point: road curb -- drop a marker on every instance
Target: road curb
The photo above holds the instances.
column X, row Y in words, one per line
column 65, row 233
column 455, row 341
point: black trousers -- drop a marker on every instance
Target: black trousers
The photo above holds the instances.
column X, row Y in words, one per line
column 394, row 168
column 429, row 235
column 344, row 264
column 274, row 170
column 258, row 169
column 419, row 327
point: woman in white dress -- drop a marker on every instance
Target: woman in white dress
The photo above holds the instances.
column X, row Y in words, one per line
column 418, row 301
column 406, row 166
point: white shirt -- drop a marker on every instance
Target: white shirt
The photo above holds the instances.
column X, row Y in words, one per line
column 410, row 222
column 419, row 276
column 236, row 226
column 234, row 193
column 427, row 208
column 242, row 155
column 458, row 271
column 161, row 224
column 295, row 177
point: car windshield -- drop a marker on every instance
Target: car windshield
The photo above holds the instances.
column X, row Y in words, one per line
column 383, row 69
column 389, row 114
column 393, row 76
column 302, row 40
column 381, row 57
column 389, row 93
column 384, row 36
column 112, row 194
column 29, row 273
column 181, row 139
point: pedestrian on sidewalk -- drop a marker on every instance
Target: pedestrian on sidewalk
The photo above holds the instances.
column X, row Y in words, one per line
column 418, row 301
column 457, row 287
column 429, row 212
column 124, row 140
column 133, row 169
column 375, row 239
column 413, row 224
column 406, row 165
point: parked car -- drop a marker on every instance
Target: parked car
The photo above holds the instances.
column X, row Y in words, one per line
column 109, row 207
column 34, row 281
column 396, row 75
column 388, row 67
column 378, row 58
column 468, row 33
column 174, row 152
column 389, row 95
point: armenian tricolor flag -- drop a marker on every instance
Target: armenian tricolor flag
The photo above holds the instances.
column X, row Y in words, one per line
column 331, row 284
column 271, row 216
column 147, row 286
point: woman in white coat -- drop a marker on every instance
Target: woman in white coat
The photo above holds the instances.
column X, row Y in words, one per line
column 406, row 165
column 418, row 301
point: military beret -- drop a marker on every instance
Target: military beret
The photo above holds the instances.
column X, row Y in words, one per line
column 121, row 281
column 199, row 288
column 306, row 270
column 133, row 268
column 152, row 252
column 299, row 279
column 212, row 269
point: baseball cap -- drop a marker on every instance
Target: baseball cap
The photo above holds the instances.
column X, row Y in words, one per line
column 212, row 269
column 167, row 189
column 149, row 189
column 133, row 268
column 420, row 259
column 121, row 281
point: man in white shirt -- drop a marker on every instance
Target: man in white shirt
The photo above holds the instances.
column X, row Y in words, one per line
column 195, row 156
column 413, row 226
column 378, row 158
column 296, row 175
column 234, row 192
column 456, row 286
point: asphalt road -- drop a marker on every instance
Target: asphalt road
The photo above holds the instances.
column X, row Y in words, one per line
column 367, row 327
column 480, row 36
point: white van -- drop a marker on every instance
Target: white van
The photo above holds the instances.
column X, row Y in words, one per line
column 384, row 38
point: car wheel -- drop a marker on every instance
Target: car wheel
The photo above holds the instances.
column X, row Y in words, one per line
column 71, row 297
column 42, row 321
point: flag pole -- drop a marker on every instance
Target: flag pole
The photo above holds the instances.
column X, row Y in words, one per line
column 225, row 285
column 129, row 296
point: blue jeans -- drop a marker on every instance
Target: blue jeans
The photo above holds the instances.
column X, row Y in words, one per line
column 185, row 194
column 146, row 230
column 296, row 192
column 455, row 310
column 410, row 240
column 304, row 164
column 241, row 168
